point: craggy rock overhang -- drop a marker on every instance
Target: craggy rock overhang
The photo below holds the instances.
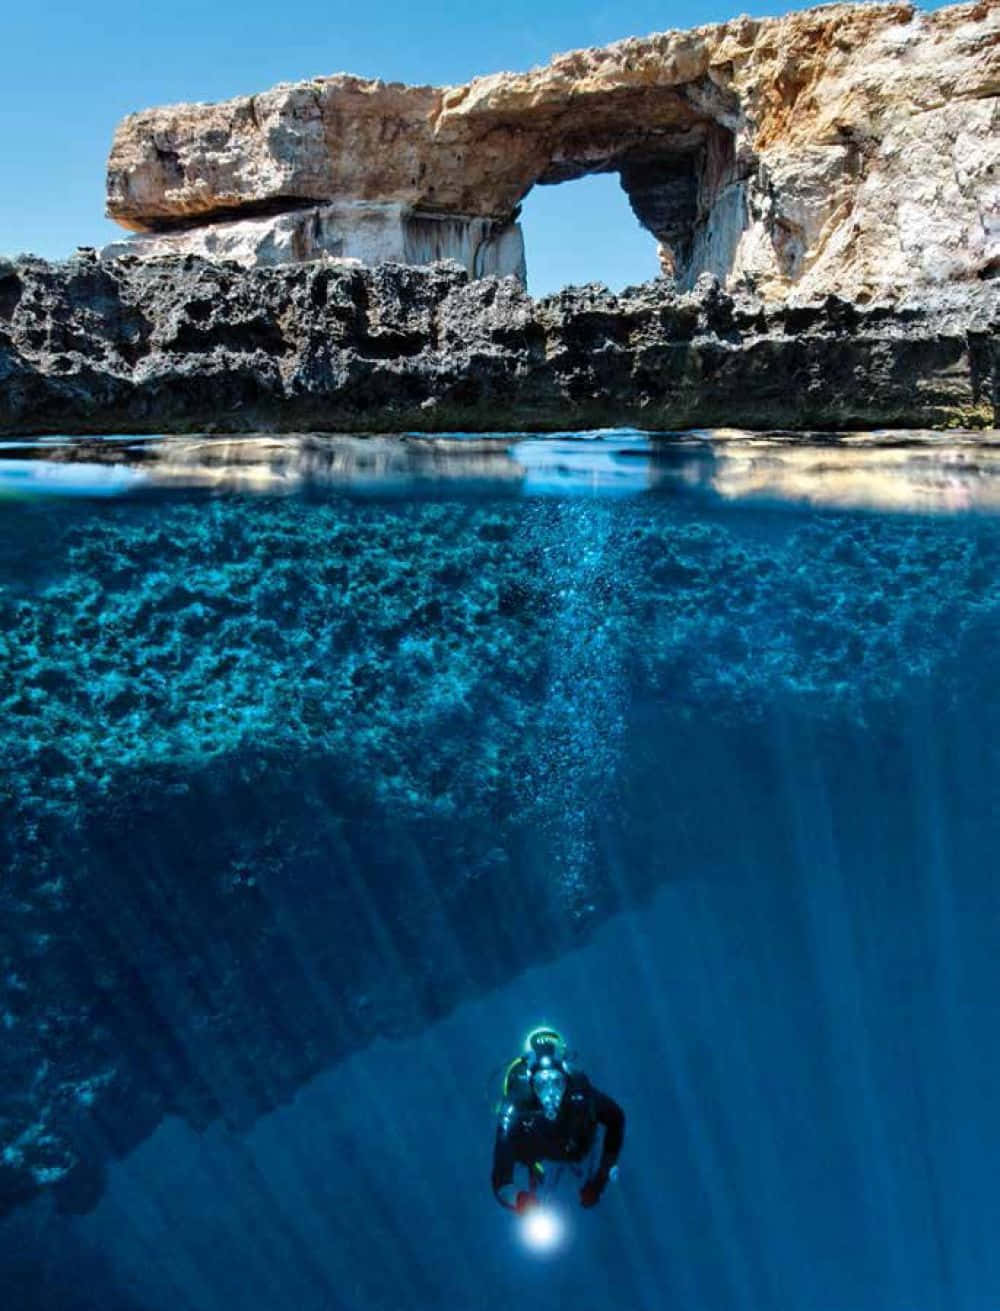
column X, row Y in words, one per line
column 849, row 148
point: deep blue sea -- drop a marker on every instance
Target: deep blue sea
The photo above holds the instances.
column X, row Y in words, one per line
column 330, row 767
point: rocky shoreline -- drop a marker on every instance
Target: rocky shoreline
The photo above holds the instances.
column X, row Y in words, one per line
column 343, row 254
column 181, row 344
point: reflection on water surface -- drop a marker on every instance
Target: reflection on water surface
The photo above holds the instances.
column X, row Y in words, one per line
column 911, row 471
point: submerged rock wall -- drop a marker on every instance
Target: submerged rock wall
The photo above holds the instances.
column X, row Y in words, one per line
column 182, row 344
column 851, row 149
column 280, row 775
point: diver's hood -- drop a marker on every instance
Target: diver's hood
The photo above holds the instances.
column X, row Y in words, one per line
column 549, row 1085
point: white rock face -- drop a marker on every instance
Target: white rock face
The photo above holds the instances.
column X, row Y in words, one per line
column 361, row 232
column 912, row 195
column 486, row 248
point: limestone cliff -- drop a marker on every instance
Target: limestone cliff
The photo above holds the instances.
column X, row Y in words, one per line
column 852, row 149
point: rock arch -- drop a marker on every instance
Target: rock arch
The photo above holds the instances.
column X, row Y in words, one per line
column 846, row 148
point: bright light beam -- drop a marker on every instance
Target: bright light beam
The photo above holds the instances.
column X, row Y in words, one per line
column 542, row 1230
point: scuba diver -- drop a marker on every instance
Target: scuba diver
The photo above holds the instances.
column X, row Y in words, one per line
column 550, row 1112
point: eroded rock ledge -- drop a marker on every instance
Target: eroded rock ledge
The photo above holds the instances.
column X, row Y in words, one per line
column 181, row 344
column 850, row 149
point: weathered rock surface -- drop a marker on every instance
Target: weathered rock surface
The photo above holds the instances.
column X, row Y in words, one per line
column 847, row 149
column 183, row 344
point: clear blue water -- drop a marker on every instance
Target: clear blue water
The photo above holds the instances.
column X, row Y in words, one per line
column 330, row 768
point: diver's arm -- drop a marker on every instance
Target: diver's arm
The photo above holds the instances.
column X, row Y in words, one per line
column 503, row 1187
column 504, row 1161
column 612, row 1117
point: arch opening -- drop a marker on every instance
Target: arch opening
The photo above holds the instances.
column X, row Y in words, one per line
column 584, row 232
column 685, row 186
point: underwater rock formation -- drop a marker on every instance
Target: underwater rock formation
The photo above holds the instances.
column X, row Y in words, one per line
column 847, row 149
column 181, row 344
column 279, row 776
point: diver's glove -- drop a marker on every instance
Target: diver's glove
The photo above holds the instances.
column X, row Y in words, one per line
column 524, row 1202
column 590, row 1193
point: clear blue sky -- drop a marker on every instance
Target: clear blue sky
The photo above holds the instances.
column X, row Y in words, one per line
column 71, row 71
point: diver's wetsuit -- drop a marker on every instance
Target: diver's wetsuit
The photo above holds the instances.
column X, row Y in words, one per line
column 525, row 1136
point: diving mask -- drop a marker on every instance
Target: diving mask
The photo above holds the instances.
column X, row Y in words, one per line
column 549, row 1085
